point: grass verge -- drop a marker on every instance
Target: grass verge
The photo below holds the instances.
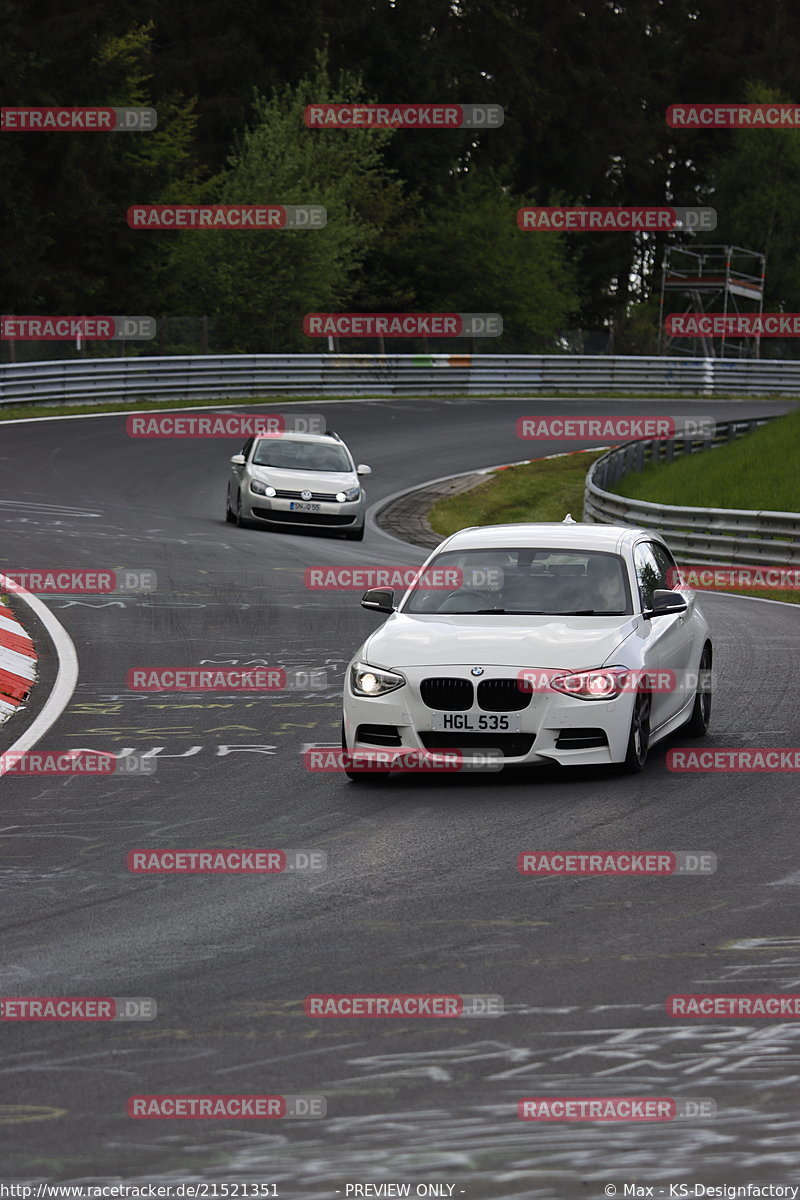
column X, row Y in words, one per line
column 758, row 471
column 539, row 491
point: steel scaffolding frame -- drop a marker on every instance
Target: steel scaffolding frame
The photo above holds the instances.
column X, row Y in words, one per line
column 712, row 279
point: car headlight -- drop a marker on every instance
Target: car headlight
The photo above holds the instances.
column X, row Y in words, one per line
column 262, row 489
column 373, row 681
column 350, row 494
column 601, row 683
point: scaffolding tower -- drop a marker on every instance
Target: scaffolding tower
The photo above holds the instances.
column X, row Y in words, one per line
column 711, row 279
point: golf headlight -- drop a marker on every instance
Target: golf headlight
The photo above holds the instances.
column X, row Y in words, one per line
column 350, row 494
column 373, row 681
column 602, row 683
column 261, row 489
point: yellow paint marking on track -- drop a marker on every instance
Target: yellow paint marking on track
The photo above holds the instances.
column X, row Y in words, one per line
column 15, row 1114
column 95, row 708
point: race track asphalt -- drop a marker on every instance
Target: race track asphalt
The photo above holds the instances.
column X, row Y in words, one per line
column 421, row 891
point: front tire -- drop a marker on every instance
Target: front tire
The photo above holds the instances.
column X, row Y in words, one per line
column 639, row 736
column 230, row 515
column 240, row 520
column 355, row 535
column 697, row 725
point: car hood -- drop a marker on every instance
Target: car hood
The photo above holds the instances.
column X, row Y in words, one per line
column 520, row 641
column 298, row 481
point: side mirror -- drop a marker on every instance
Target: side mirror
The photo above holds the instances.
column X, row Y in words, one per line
column 666, row 602
column 363, row 469
column 379, row 600
column 238, row 460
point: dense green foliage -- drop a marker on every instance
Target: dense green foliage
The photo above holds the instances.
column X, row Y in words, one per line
column 417, row 220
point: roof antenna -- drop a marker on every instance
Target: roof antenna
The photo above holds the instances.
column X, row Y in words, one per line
column 568, row 520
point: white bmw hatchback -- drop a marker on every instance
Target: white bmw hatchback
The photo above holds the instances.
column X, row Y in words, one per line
column 550, row 643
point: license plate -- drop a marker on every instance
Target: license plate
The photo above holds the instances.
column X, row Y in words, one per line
column 475, row 722
column 302, row 506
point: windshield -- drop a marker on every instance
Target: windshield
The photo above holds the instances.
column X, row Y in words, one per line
column 301, row 456
column 523, row 580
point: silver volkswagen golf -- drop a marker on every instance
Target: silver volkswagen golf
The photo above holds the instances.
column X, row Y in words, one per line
column 298, row 481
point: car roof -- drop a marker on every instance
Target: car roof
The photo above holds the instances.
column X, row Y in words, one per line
column 548, row 535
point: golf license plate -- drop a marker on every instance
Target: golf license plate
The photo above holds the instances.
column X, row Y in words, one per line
column 303, row 506
column 450, row 722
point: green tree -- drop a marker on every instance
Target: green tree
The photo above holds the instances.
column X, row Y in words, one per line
column 67, row 194
column 468, row 255
column 756, row 185
column 262, row 283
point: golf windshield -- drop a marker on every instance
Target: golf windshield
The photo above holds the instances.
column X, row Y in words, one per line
column 301, row 456
column 523, row 580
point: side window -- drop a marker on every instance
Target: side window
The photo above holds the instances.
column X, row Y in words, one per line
column 648, row 573
column 247, row 447
column 667, row 566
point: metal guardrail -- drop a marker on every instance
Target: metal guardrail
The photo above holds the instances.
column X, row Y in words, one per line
column 210, row 377
column 705, row 535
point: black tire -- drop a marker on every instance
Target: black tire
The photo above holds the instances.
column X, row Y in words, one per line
column 639, row 736
column 362, row 776
column 230, row 515
column 697, row 725
column 238, row 518
column 355, row 535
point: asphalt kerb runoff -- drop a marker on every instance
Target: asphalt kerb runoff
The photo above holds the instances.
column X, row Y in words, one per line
column 55, row 669
column 405, row 514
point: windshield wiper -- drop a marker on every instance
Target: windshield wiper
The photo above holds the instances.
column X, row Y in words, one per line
column 514, row 612
column 589, row 612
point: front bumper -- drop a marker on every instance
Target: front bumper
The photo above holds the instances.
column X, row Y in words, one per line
column 278, row 511
column 553, row 727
